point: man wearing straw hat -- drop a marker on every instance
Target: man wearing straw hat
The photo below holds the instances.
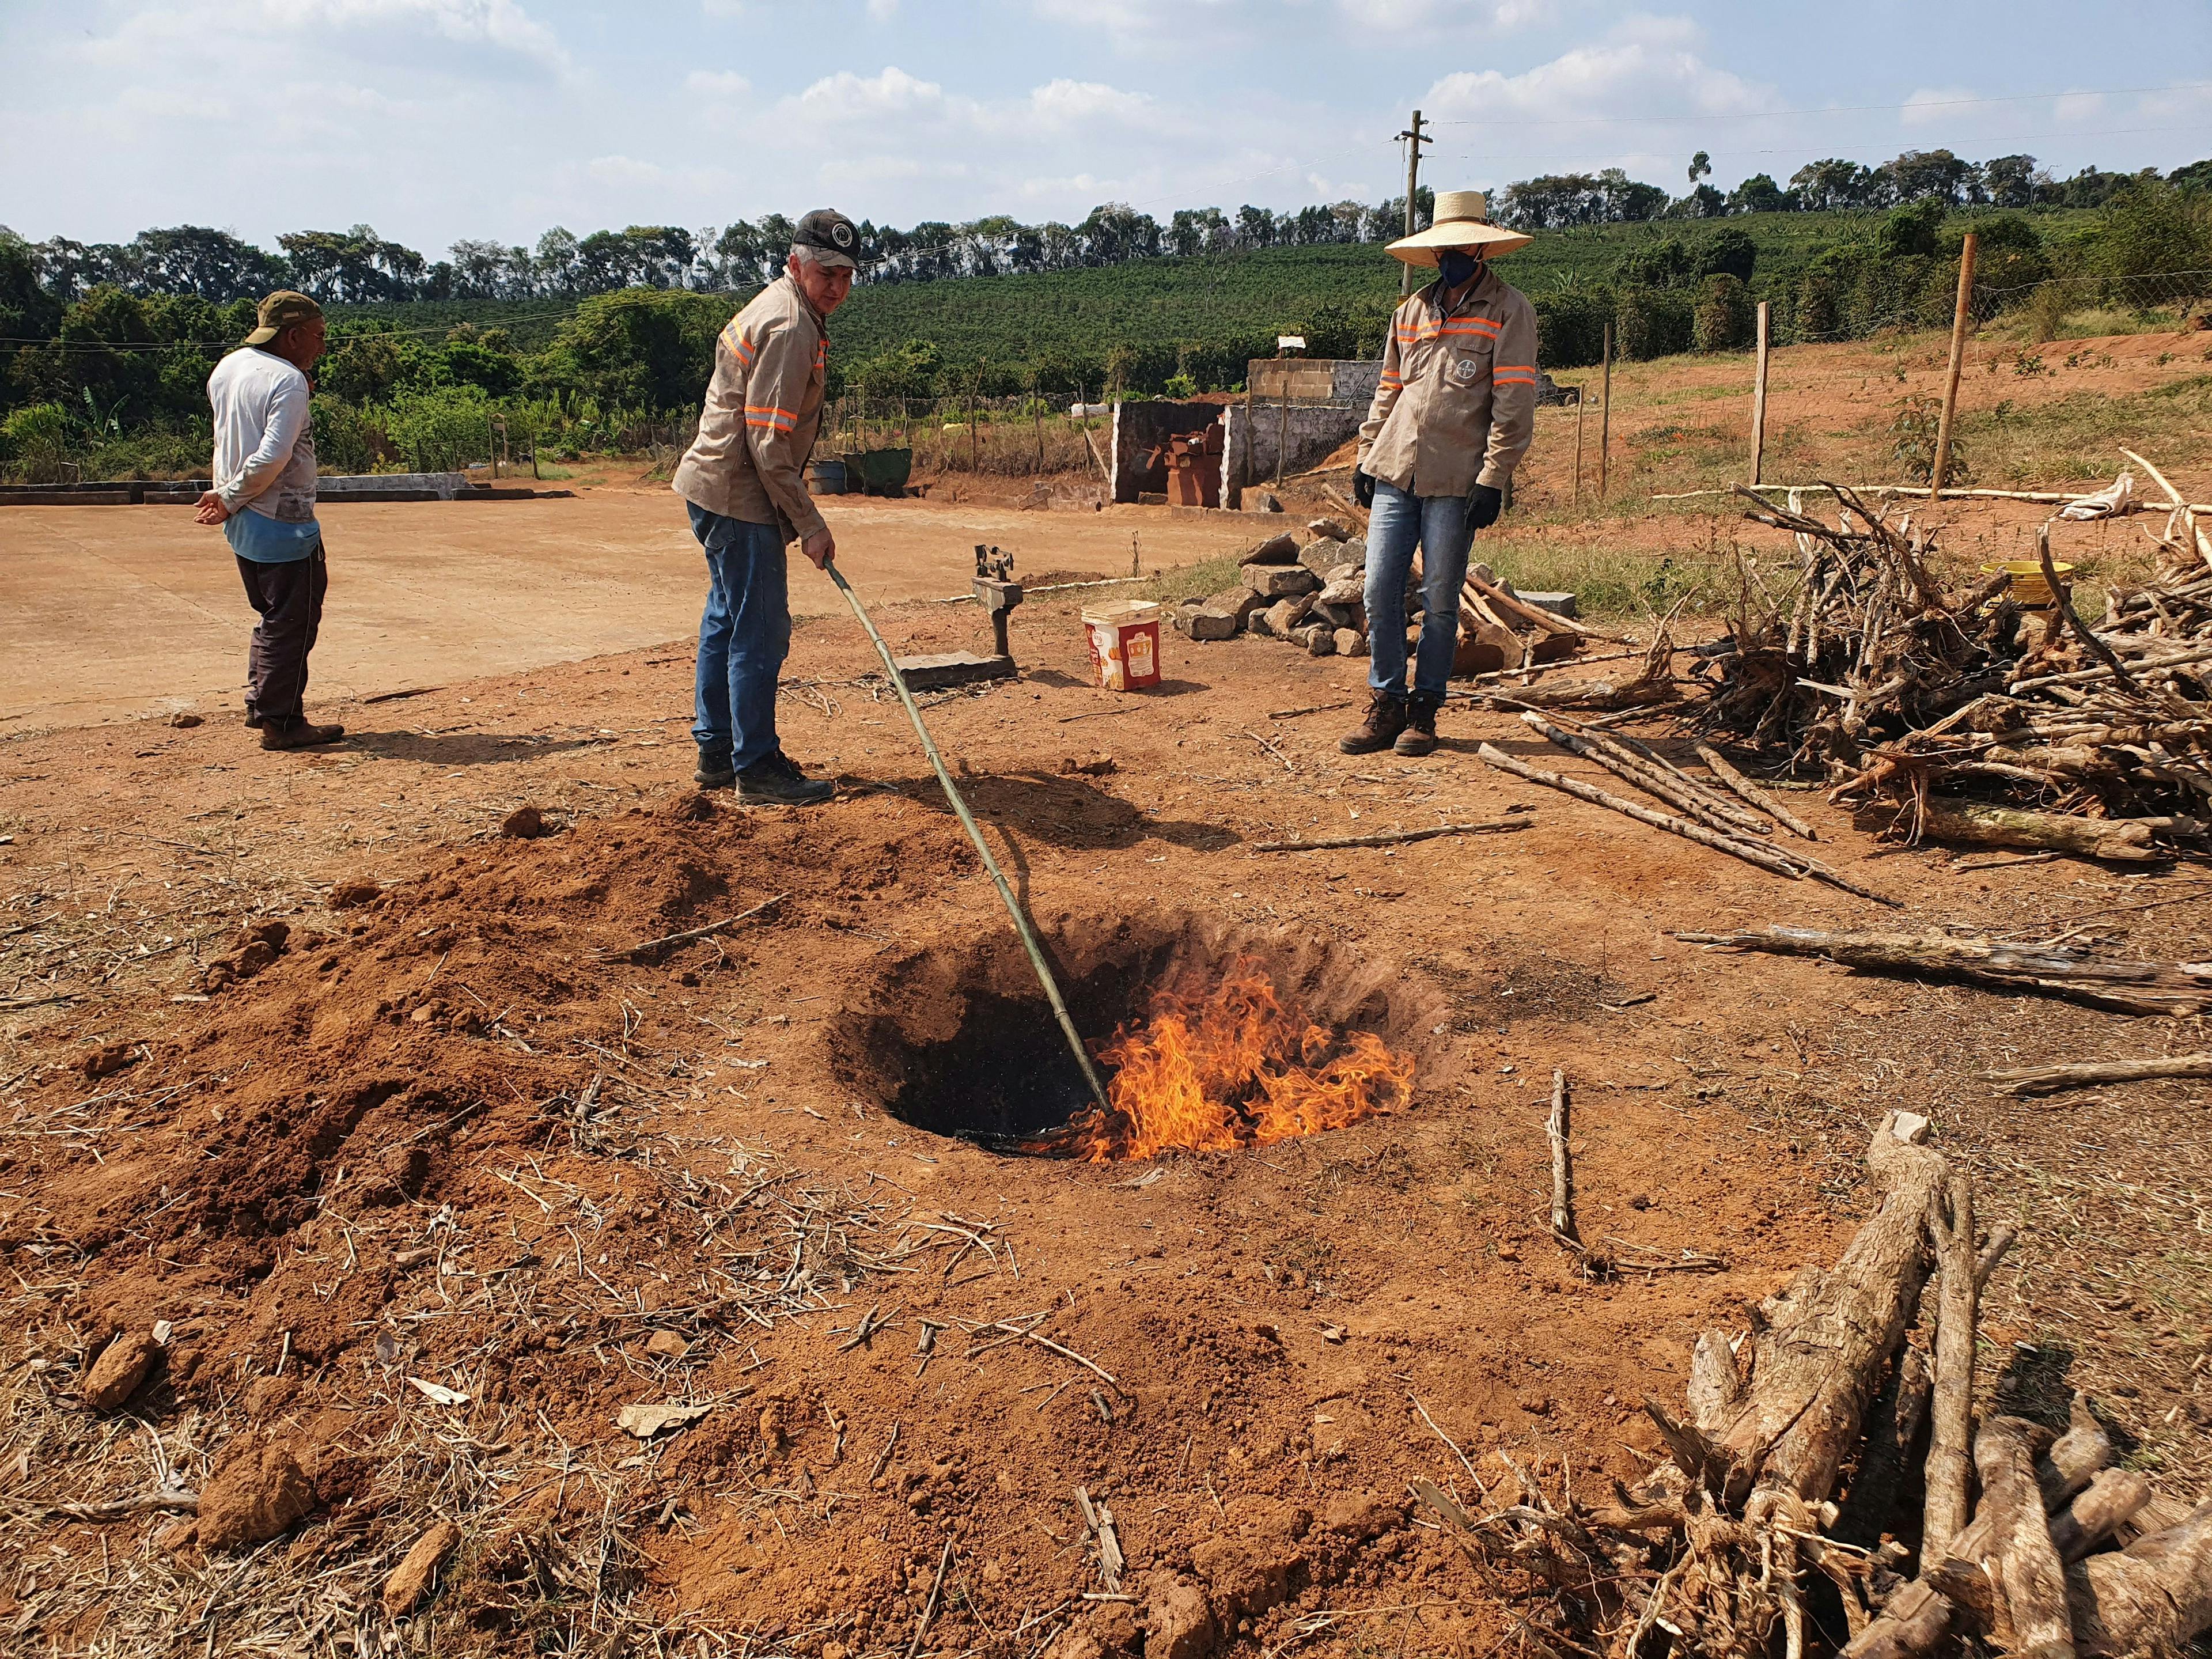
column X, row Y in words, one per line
column 1451, row 416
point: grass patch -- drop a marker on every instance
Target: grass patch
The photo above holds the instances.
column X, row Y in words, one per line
column 2077, row 438
column 1191, row 581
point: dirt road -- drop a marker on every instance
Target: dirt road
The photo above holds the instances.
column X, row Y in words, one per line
column 112, row 612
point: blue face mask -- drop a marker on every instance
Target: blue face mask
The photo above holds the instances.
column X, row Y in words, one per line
column 1456, row 267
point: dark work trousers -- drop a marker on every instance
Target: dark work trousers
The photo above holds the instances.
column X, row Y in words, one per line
column 288, row 598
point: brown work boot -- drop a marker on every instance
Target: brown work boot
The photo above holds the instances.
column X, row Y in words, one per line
column 1386, row 719
column 297, row 733
column 1419, row 737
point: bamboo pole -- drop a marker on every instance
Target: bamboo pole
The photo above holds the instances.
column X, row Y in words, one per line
column 1029, row 938
column 1758, row 401
column 1960, row 314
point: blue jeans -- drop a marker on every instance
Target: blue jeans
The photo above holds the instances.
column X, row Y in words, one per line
column 1399, row 522
column 744, row 634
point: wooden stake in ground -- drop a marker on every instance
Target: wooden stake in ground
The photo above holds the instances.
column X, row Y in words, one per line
column 1940, row 474
column 1605, row 420
column 1759, row 402
column 1581, row 402
column 1950, row 1417
column 1563, row 1175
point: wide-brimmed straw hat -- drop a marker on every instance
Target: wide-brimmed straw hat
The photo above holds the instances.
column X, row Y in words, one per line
column 1462, row 220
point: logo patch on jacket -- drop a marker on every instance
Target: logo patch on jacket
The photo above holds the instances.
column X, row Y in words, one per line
column 1466, row 368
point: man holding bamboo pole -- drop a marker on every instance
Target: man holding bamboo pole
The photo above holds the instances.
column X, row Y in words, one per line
column 1451, row 416
column 745, row 479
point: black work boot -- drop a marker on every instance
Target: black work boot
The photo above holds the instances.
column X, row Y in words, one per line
column 715, row 770
column 1419, row 737
column 775, row 781
column 1386, row 719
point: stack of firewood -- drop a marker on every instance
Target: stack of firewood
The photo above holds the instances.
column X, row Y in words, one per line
column 1789, row 1474
column 1994, row 715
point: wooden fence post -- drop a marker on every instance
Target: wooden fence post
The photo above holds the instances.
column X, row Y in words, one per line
column 1759, row 402
column 1581, row 400
column 1959, row 315
column 1283, row 425
column 1604, row 422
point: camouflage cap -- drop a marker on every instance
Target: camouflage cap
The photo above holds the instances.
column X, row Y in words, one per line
column 278, row 312
column 832, row 238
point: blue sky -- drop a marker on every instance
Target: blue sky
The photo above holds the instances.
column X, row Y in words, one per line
column 434, row 119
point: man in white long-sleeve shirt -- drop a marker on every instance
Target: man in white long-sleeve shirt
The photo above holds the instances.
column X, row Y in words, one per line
column 264, row 499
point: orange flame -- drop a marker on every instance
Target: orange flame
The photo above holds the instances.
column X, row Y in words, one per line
column 1209, row 1071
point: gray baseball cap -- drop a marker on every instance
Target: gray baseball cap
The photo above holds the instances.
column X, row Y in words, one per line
column 832, row 238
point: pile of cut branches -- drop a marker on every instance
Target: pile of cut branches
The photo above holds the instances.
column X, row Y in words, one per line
column 1991, row 716
column 1794, row 1454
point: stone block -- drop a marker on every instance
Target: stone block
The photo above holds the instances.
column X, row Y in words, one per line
column 1559, row 605
column 1346, row 572
column 1345, row 590
column 1240, row 602
column 1280, row 581
column 1276, row 550
column 1318, row 638
column 1212, row 624
column 1351, row 643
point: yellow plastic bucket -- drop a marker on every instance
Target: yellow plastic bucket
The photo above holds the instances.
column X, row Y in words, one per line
column 2029, row 590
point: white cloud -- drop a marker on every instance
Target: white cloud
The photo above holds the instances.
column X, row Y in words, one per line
column 717, row 83
column 883, row 10
column 501, row 23
column 2080, row 106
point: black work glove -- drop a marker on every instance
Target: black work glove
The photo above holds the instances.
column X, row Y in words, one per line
column 1363, row 488
column 1482, row 507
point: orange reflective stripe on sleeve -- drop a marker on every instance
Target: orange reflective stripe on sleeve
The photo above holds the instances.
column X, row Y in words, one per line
column 768, row 415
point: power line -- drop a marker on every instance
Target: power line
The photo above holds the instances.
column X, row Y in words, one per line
column 1833, row 109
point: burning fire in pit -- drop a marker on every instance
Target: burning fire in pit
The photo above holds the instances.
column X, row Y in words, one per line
column 1212, row 1070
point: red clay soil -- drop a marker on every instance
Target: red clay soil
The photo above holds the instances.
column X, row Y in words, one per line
column 430, row 1173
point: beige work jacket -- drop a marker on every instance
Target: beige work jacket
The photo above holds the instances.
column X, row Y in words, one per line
column 762, row 409
column 1457, row 400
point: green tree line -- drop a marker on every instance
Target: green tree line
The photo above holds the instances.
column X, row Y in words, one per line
column 116, row 379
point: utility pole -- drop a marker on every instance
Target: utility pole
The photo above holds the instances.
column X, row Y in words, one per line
column 1413, row 140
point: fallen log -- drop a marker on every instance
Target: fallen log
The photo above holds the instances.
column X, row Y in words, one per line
column 2076, row 1457
column 1817, row 1363
column 1591, row 747
column 1959, row 822
column 2111, row 1500
column 1892, row 1431
column 1752, row 795
column 2083, row 1074
column 1715, row 1384
column 2154, row 1597
column 1396, row 837
column 1951, row 1407
column 1918, row 1619
column 1550, row 621
column 1750, row 852
column 2021, row 1561
column 2136, row 987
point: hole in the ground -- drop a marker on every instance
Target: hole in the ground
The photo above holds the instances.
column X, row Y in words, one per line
column 1207, row 1042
